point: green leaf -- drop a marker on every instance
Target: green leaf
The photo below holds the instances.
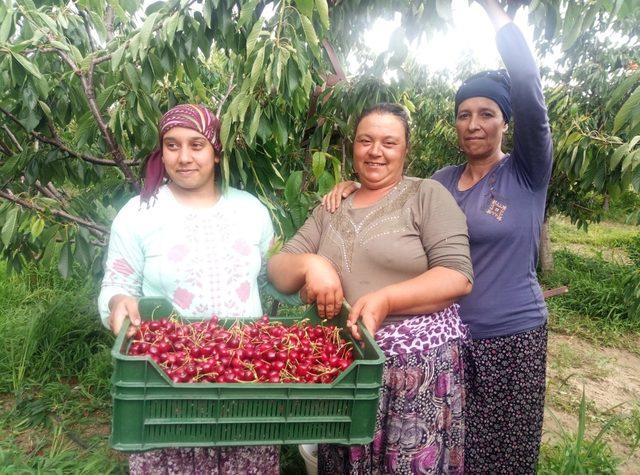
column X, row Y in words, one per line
column 65, row 261
column 323, row 12
column 305, row 7
column 617, row 156
column 98, row 24
column 45, row 108
column 325, row 183
column 622, row 89
column 82, row 250
column 37, row 225
column 132, row 75
column 572, row 26
column 171, row 26
column 9, row 227
column 225, row 129
column 247, row 12
column 207, row 13
column 27, row 65
column 626, row 111
column 310, row 33
column 318, row 164
column 256, row 69
column 77, row 55
column 116, row 58
column 255, row 122
column 252, row 39
column 5, row 28
column 59, row 45
column 145, row 33
column 292, row 188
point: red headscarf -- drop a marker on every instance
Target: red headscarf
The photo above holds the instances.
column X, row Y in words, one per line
column 190, row 116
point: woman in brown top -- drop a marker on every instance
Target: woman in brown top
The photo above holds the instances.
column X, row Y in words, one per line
column 398, row 251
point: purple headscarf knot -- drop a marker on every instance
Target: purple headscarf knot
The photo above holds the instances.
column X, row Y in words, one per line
column 189, row 116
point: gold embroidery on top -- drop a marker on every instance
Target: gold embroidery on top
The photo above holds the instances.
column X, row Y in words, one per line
column 496, row 209
column 382, row 220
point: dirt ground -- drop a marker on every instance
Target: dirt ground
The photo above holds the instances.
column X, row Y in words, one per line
column 611, row 381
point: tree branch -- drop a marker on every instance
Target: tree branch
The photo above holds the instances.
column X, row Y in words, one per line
column 226, row 96
column 114, row 149
column 55, row 141
column 108, row 22
column 5, row 149
column 8, row 195
column 85, row 18
column 12, row 137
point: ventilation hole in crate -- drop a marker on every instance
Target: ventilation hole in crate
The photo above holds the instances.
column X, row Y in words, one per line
column 256, row 431
column 320, row 408
column 320, row 430
column 249, row 408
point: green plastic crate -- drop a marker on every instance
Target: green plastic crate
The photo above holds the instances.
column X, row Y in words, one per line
column 150, row 411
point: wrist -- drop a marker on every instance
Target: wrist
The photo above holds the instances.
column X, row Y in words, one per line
column 387, row 296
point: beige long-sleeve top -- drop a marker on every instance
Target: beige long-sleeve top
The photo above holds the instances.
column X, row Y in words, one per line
column 415, row 227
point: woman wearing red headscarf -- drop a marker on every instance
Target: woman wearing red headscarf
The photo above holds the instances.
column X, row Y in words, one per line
column 201, row 247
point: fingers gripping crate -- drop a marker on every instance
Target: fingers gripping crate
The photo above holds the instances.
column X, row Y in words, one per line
column 151, row 411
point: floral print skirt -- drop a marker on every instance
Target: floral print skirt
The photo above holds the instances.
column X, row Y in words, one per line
column 254, row 460
column 419, row 423
column 505, row 385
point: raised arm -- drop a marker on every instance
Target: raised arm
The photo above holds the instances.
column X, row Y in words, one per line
column 497, row 15
column 532, row 152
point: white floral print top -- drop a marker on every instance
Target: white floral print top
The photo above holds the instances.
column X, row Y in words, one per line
column 206, row 261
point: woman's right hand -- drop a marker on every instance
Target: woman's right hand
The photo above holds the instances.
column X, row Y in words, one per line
column 331, row 201
column 322, row 286
column 123, row 306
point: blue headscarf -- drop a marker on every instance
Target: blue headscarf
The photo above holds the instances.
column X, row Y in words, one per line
column 494, row 85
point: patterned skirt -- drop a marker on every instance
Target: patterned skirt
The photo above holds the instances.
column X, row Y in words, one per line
column 505, row 383
column 258, row 460
column 419, row 423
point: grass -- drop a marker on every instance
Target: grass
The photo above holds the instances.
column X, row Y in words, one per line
column 575, row 453
column 598, row 266
column 598, row 236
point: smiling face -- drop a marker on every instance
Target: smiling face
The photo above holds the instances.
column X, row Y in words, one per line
column 189, row 160
column 379, row 150
column 480, row 127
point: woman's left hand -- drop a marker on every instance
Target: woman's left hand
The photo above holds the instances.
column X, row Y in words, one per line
column 372, row 309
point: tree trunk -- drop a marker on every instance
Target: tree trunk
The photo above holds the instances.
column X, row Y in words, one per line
column 546, row 256
column 605, row 205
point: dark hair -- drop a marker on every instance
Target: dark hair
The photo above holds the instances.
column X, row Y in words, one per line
column 389, row 108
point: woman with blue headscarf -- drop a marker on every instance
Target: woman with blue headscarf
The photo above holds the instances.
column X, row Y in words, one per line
column 503, row 196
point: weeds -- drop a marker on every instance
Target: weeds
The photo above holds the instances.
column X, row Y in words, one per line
column 575, row 453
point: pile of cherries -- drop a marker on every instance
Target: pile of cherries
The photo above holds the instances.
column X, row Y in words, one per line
column 257, row 352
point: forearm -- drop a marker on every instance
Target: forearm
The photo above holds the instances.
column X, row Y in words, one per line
column 287, row 272
column 429, row 292
column 496, row 13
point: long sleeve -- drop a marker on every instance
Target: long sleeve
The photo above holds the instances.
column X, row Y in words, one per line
column 532, row 152
column 125, row 261
column 266, row 241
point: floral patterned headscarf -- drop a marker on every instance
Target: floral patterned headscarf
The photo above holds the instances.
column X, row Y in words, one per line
column 190, row 116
